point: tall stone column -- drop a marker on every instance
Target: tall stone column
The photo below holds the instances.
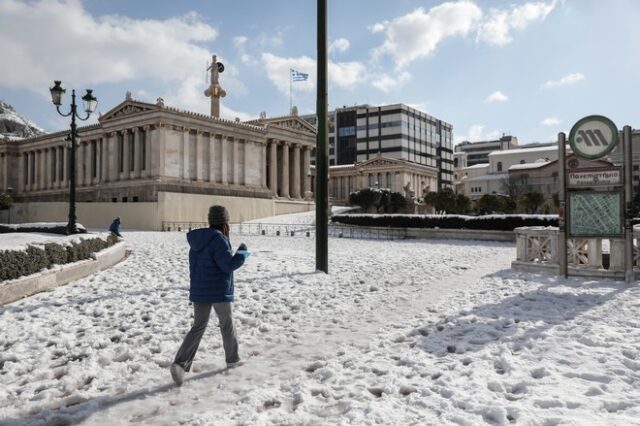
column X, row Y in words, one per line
column 224, row 161
column 273, row 167
column 146, row 151
column 295, row 190
column 284, row 192
column 185, row 155
column 137, row 153
column 201, row 157
column 235, row 162
column 306, row 170
column 104, row 158
column 213, row 163
column 126, row 151
column 45, row 169
column 263, row 166
column 41, row 170
column 88, row 172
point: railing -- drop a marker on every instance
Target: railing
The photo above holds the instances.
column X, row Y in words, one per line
column 539, row 246
column 295, row 230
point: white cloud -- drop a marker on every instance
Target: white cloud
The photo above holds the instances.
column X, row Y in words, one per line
column 497, row 28
column 345, row 75
column 240, row 41
column 92, row 50
column 477, row 133
column 340, row 45
column 496, row 96
column 418, row 33
column 564, row 81
column 387, row 83
column 551, row 121
column 108, row 49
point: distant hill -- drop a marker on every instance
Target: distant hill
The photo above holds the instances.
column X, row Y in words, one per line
column 15, row 126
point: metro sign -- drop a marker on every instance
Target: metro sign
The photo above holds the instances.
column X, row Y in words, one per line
column 593, row 137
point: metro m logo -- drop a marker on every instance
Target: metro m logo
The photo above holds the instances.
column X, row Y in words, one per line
column 593, row 137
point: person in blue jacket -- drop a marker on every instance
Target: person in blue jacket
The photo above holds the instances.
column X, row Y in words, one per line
column 115, row 227
column 211, row 266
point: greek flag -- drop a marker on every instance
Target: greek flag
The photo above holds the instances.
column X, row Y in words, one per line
column 298, row 76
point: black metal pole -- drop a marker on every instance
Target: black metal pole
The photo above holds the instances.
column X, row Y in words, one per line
column 71, row 226
column 322, row 151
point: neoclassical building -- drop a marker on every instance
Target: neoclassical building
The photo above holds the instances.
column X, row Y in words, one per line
column 153, row 164
column 381, row 172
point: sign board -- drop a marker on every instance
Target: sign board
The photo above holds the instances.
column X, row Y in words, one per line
column 605, row 176
column 593, row 137
column 595, row 214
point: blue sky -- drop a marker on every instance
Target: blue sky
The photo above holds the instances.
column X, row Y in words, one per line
column 527, row 68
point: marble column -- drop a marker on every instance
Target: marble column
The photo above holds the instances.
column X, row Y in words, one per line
column 185, row 155
column 137, row 153
column 213, row 152
column 306, row 169
column 126, row 152
column 235, row 162
column 224, row 161
column 263, row 167
column 42, row 171
column 295, row 190
column 145, row 152
column 284, row 192
column 88, row 172
column 273, row 168
column 202, row 170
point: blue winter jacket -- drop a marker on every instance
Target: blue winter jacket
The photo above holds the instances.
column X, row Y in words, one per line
column 211, row 266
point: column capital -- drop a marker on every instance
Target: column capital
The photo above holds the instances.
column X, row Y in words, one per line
column 146, row 127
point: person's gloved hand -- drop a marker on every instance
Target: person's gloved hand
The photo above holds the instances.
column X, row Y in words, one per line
column 243, row 250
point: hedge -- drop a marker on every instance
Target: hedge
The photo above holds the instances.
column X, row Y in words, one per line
column 60, row 230
column 487, row 222
column 14, row 264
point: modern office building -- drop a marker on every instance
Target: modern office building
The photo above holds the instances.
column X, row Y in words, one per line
column 478, row 152
column 397, row 131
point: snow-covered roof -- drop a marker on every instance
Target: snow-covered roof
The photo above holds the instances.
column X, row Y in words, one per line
column 477, row 166
column 524, row 151
column 527, row 166
column 490, row 176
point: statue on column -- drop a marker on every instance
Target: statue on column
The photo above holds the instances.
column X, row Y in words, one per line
column 215, row 91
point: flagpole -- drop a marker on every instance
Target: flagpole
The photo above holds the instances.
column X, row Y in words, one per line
column 290, row 90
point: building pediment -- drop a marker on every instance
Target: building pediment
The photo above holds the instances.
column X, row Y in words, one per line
column 128, row 107
column 287, row 122
column 380, row 162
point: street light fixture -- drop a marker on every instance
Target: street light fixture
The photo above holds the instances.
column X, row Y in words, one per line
column 90, row 104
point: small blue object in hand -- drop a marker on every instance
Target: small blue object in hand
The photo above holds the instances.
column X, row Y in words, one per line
column 245, row 253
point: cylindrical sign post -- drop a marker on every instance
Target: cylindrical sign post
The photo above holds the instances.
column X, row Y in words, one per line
column 562, row 230
column 628, row 197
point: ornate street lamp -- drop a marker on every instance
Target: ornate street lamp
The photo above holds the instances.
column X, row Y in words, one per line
column 90, row 103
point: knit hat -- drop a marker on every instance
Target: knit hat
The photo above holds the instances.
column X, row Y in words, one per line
column 218, row 215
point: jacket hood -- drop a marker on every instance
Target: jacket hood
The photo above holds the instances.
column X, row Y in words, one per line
column 199, row 238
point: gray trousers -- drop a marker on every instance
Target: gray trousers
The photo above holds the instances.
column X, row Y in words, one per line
column 201, row 313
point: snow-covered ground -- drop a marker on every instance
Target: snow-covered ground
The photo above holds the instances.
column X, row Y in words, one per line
column 20, row 240
column 306, row 218
column 399, row 332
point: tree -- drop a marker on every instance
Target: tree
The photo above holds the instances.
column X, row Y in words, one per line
column 444, row 200
column 5, row 201
column 398, row 202
column 531, row 202
column 368, row 198
column 463, row 204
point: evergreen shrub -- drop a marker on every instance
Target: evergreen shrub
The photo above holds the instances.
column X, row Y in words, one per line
column 17, row 263
column 488, row 222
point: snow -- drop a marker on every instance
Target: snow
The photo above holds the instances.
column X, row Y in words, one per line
column 20, row 240
column 43, row 225
column 526, row 166
column 399, row 332
column 524, row 150
column 306, row 218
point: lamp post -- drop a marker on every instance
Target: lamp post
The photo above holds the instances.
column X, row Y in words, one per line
column 90, row 102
